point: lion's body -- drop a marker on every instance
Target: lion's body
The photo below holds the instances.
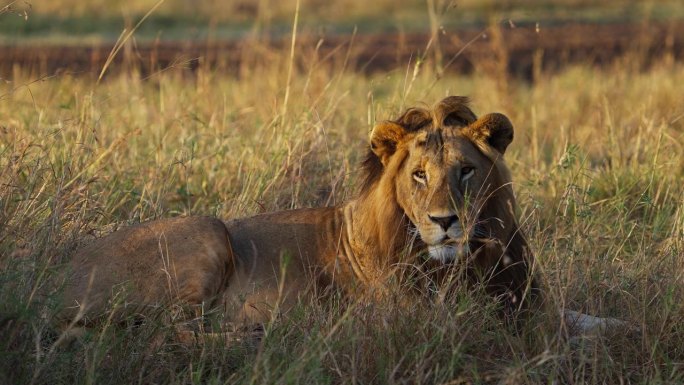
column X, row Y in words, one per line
column 435, row 188
column 236, row 264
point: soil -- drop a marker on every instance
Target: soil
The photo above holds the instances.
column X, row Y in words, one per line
column 523, row 51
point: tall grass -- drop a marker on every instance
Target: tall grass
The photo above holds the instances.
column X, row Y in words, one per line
column 598, row 166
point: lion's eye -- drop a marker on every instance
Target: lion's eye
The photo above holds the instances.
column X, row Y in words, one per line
column 467, row 173
column 420, row 176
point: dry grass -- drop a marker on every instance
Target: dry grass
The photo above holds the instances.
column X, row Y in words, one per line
column 598, row 164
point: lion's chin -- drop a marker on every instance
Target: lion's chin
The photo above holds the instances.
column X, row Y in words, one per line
column 447, row 253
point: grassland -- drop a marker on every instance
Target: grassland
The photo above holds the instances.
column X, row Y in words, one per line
column 101, row 21
column 598, row 166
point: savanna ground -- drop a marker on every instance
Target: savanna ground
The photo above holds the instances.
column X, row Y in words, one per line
column 598, row 164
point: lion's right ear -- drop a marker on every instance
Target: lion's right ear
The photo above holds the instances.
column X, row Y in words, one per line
column 494, row 129
column 384, row 139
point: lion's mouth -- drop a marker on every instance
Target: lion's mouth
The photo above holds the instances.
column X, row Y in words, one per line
column 448, row 252
column 445, row 251
column 449, row 249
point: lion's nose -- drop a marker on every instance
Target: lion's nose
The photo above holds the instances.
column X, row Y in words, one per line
column 444, row 222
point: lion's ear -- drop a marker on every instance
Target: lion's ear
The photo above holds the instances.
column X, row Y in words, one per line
column 495, row 129
column 384, row 139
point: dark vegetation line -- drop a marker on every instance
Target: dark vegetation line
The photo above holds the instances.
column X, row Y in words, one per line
column 520, row 50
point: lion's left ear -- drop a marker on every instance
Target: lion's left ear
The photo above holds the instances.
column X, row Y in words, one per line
column 495, row 129
column 384, row 139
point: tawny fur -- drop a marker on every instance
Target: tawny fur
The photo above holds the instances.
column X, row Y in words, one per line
column 249, row 268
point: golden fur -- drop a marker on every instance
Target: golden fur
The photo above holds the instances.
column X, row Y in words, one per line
column 435, row 188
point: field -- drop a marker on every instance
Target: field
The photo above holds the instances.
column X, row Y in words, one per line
column 102, row 20
column 597, row 161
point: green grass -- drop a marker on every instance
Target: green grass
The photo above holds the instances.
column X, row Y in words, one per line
column 597, row 163
column 98, row 21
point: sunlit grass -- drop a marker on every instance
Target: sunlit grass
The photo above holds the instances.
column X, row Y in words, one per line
column 597, row 163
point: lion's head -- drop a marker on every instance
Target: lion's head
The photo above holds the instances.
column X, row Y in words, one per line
column 444, row 169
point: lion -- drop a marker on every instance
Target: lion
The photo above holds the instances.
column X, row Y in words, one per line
column 434, row 187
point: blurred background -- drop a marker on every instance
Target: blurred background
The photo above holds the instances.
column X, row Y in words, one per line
column 520, row 37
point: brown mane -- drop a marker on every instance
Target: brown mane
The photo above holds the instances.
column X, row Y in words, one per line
column 508, row 261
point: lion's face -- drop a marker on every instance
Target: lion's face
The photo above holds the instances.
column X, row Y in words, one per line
column 444, row 170
column 440, row 188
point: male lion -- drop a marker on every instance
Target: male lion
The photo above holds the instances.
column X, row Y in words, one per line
column 435, row 186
